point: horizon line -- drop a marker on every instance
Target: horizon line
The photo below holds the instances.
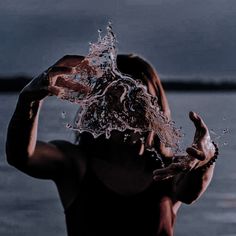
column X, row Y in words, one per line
column 16, row 83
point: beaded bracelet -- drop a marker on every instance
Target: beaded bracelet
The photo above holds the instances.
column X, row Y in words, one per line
column 213, row 159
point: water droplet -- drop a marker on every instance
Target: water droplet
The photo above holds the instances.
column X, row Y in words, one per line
column 109, row 27
column 126, row 137
column 63, row 114
column 212, row 132
column 142, row 139
column 68, row 126
column 225, row 131
column 99, row 35
column 108, row 134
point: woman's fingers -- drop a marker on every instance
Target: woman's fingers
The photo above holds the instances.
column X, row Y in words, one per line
column 201, row 128
column 57, row 71
column 198, row 122
column 194, row 152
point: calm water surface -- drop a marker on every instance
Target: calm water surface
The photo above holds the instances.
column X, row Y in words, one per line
column 30, row 206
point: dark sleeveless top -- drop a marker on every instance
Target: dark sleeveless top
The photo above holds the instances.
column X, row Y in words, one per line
column 99, row 211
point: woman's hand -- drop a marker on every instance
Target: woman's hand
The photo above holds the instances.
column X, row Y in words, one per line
column 40, row 87
column 202, row 148
column 201, row 151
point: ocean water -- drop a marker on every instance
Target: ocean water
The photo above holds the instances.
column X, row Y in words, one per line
column 30, row 206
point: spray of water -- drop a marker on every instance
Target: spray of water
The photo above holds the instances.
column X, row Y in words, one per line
column 219, row 136
column 109, row 100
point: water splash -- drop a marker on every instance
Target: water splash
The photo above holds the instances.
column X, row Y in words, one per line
column 63, row 115
column 109, row 100
column 219, row 136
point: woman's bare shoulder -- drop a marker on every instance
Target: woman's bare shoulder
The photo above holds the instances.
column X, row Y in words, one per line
column 70, row 150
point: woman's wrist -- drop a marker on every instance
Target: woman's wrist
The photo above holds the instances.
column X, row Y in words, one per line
column 36, row 90
column 210, row 162
column 27, row 108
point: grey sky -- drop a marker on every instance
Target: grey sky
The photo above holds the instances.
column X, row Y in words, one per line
column 180, row 37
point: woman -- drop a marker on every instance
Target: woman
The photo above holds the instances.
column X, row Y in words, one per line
column 107, row 186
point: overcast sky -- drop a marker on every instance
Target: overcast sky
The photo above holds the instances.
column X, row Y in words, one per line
column 185, row 38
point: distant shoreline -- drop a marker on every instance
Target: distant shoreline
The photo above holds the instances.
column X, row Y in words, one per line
column 16, row 83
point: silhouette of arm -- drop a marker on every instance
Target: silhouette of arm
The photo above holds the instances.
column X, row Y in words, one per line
column 36, row 158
